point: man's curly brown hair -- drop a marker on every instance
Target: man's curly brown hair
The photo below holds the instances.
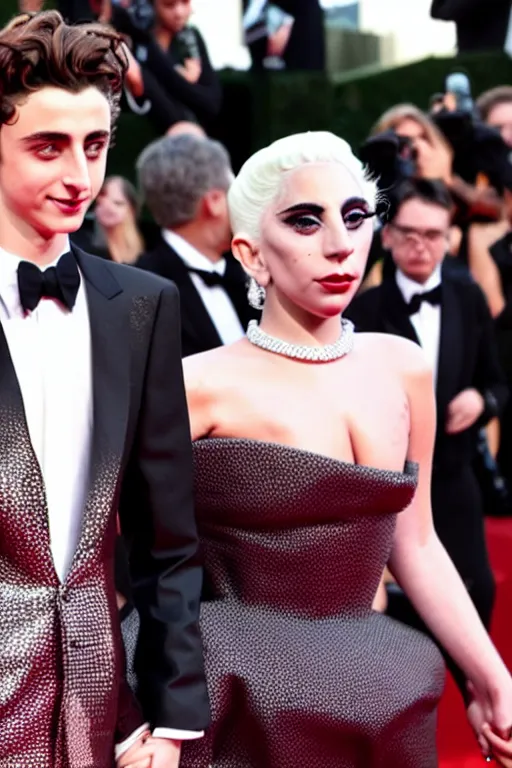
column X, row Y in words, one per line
column 38, row 50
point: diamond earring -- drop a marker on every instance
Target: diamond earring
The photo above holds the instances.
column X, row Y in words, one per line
column 255, row 294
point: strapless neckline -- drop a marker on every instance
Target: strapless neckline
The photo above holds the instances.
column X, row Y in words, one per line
column 410, row 467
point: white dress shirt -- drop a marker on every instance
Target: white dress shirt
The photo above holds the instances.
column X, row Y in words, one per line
column 253, row 12
column 427, row 321
column 51, row 353
column 508, row 39
column 215, row 299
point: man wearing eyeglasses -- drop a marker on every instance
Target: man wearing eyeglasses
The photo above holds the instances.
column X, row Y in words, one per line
column 445, row 312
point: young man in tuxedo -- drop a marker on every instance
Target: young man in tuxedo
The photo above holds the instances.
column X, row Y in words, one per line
column 185, row 180
column 446, row 313
column 93, row 424
column 481, row 24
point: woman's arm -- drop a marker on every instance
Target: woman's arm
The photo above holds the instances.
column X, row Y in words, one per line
column 423, row 569
column 200, row 401
column 483, row 267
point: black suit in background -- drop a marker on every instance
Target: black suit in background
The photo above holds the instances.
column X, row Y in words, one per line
column 481, row 24
column 198, row 332
column 467, row 359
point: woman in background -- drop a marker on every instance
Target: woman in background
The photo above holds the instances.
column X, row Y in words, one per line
column 117, row 235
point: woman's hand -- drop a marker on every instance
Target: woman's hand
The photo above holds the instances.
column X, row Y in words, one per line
column 133, row 78
column 433, row 161
column 490, row 715
column 191, row 70
column 501, row 749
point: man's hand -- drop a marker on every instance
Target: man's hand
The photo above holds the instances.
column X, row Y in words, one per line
column 166, row 753
column 191, row 70
column 277, row 43
column 464, row 410
column 136, row 756
column 153, row 753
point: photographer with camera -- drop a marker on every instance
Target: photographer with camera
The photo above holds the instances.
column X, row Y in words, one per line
column 179, row 82
column 404, row 143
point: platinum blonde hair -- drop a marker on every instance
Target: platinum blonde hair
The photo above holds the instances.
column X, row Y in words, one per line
column 260, row 178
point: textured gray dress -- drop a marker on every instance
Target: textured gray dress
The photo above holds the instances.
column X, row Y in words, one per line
column 301, row 672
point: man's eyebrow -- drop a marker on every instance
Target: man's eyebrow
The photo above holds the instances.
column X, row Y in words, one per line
column 56, row 136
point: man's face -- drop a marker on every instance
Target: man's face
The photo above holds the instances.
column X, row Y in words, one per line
column 418, row 238
column 52, row 160
column 501, row 117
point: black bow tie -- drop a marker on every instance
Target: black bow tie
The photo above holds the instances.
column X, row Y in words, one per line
column 211, row 278
column 433, row 297
column 60, row 282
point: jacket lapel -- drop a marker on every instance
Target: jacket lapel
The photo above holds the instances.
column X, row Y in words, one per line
column 109, row 322
column 195, row 319
column 395, row 314
column 451, row 349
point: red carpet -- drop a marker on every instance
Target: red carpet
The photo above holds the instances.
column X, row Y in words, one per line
column 457, row 745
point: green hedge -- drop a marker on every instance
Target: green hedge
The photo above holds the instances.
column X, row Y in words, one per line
column 258, row 109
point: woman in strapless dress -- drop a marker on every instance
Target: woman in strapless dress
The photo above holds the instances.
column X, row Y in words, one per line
column 313, row 450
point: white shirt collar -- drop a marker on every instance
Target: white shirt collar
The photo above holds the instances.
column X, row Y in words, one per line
column 9, row 293
column 190, row 255
column 409, row 288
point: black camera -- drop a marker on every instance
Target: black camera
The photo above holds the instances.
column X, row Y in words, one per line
column 134, row 18
column 389, row 158
column 478, row 149
column 187, row 45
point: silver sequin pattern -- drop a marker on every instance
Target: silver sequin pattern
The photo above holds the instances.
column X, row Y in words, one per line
column 300, row 670
column 58, row 673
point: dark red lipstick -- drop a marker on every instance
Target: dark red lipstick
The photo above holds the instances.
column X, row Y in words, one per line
column 336, row 283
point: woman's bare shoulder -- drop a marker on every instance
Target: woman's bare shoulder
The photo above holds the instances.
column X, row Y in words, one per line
column 403, row 355
column 210, row 373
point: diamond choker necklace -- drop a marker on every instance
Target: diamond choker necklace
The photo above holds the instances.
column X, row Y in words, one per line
column 300, row 351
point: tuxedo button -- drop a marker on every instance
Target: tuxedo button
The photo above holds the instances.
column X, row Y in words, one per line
column 64, row 595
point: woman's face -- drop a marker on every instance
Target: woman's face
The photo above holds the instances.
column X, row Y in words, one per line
column 112, row 206
column 173, row 15
column 315, row 238
column 416, row 133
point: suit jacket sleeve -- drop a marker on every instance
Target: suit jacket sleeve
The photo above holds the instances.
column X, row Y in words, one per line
column 458, row 10
column 363, row 311
column 490, row 379
column 157, row 513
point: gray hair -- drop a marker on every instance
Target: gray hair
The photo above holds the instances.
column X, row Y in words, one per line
column 175, row 172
